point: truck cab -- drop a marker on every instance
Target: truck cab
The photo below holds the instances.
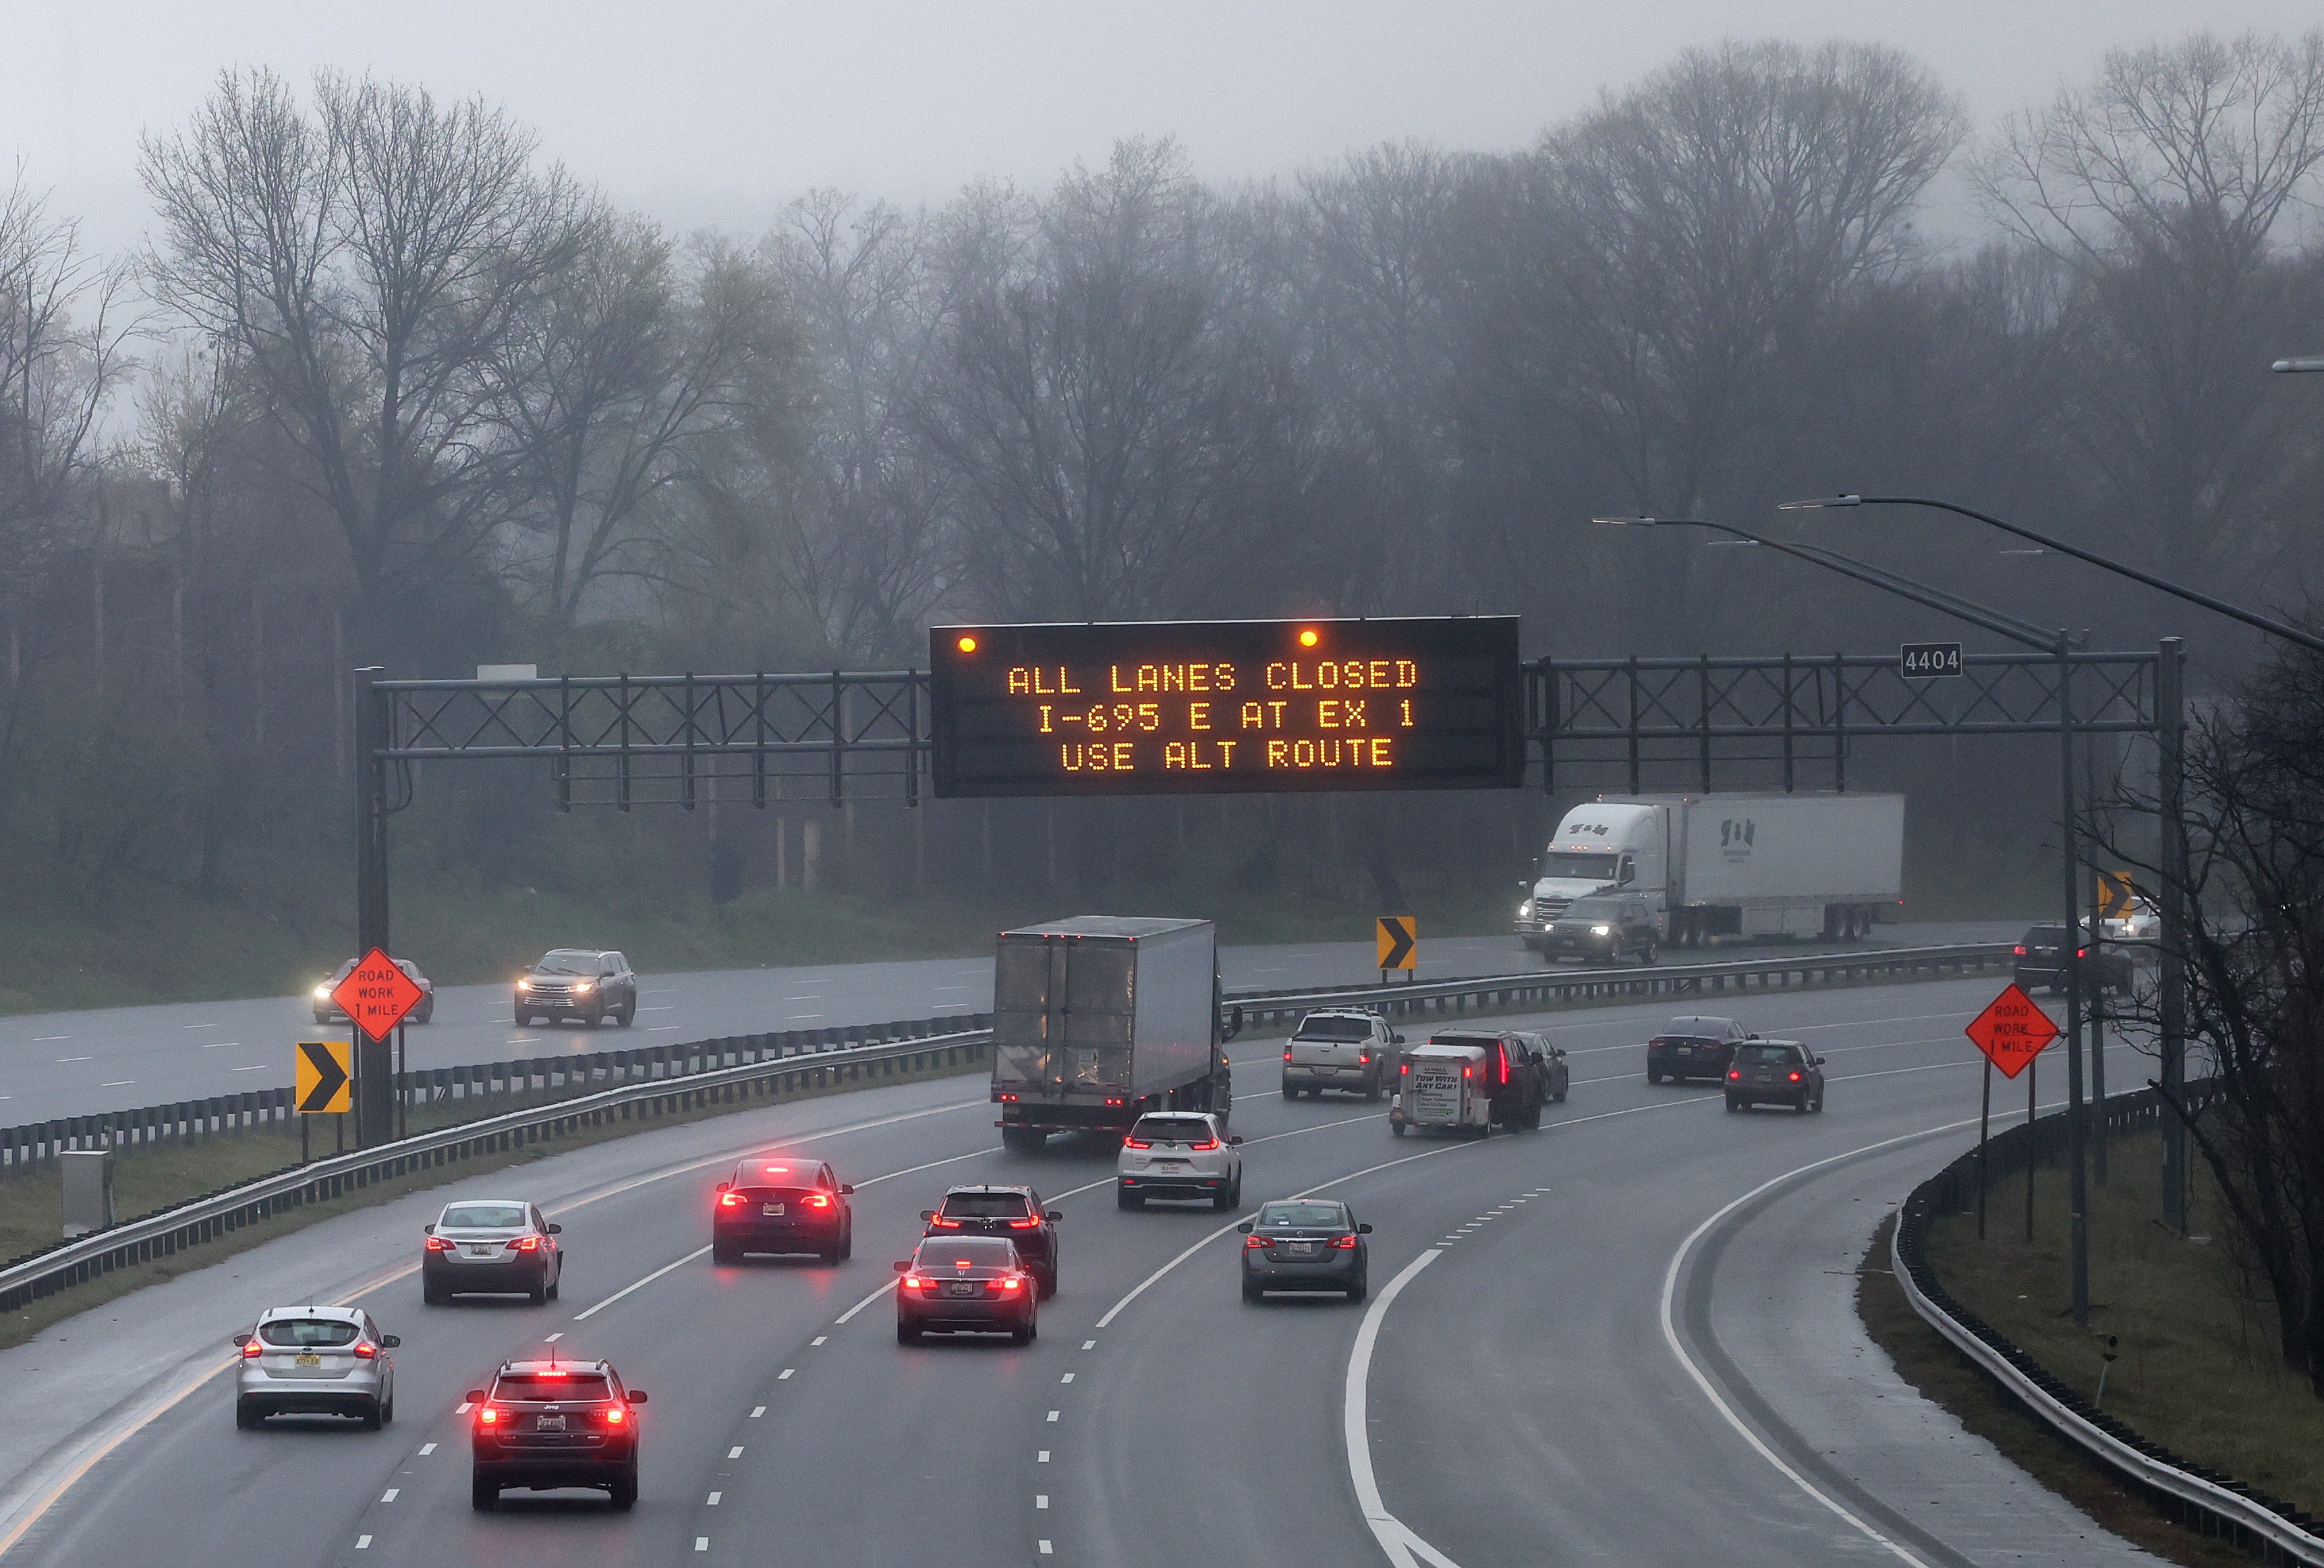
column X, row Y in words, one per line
column 1603, row 849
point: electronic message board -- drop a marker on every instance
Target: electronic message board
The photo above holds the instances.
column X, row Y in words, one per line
column 1225, row 707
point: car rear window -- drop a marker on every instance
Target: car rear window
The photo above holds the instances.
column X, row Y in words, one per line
column 1309, row 1216
column 567, row 961
column 777, row 1173
column 981, row 1252
column 485, row 1217
column 546, row 1388
column 1171, row 1130
column 1766, row 1055
column 985, row 1205
column 306, row 1331
column 1334, row 1028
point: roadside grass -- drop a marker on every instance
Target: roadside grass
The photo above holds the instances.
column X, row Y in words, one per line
column 1949, row 1379
column 160, row 1176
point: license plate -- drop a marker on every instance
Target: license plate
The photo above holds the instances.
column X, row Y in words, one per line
column 305, row 1360
column 1171, row 1164
column 1686, row 1050
column 964, row 1287
column 1303, row 1248
column 548, row 1423
column 771, row 1208
column 481, row 1251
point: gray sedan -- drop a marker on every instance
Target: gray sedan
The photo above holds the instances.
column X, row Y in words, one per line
column 491, row 1246
column 1305, row 1244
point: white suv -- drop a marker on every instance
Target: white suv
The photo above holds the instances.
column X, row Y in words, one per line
column 1340, row 1048
column 1179, row 1154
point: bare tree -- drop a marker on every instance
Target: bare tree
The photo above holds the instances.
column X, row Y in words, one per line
column 2166, row 187
column 368, row 262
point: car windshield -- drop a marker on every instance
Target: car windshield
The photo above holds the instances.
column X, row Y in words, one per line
column 1171, row 1130
column 1303, row 1215
column 1570, row 867
column 483, row 1216
column 1334, row 1028
column 546, row 1388
column 306, row 1331
column 971, row 1253
column 564, row 962
column 1766, row 1055
column 985, row 1205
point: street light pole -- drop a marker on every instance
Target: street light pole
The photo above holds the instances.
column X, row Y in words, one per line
column 2061, row 644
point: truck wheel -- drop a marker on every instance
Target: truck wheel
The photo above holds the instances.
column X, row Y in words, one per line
column 1123, row 1198
column 1372, row 1092
column 1223, row 1201
column 1250, row 1291
column 628, row 1013
column 1396, row 1128
column 1024, row 1140
column 1733, row 1104
column 1647, row 954
column 624, row 1493
column 1357, row 1291
column 1654, row 1074
column 483, row 1495
column 1289, row 1093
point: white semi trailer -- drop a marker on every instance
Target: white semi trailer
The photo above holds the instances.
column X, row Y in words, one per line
column 1726, row 865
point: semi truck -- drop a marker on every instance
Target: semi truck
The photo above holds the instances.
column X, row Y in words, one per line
column 1099, row 1019
column 1708, row 866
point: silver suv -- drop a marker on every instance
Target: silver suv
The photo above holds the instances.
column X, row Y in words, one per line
column 1179, row 1154
column 1340, row 1048
column 328, row 1361
column 499, row 1246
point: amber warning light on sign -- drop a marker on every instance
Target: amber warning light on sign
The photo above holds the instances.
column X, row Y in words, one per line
column 1225, row 707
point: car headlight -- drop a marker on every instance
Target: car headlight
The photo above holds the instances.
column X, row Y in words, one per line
column 524, row 985
column 1524, row 909
column 581, row 987
column 322, row 993
column 1601, row 930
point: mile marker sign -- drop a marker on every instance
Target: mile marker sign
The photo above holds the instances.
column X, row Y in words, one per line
column 376, row 995
column 2012, row 1032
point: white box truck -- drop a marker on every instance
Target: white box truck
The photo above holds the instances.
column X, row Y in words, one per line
column 1726, row 865
column 1099, row 1019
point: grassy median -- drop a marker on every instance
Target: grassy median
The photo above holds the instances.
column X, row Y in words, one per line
column 2195, row 1366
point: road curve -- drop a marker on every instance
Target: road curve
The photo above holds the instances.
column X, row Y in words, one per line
column 1521, row 1401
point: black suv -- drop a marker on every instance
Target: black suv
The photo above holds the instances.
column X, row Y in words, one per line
column 546, row 1425
column 580, row 983
column 774, row 1203
column 1781, row 1072
column 2040, row 951
column 1518, row 1068
column 1694, row 1047
column 1012, row 1212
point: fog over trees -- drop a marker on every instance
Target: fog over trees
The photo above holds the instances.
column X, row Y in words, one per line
column 388, row 384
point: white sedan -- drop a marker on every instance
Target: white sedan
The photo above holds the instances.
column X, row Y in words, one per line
column 1179, row 1154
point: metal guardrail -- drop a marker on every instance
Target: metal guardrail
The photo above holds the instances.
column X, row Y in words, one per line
column 204, row 1219
column 35, row 1141
column 1554, row 987
column 2194, row 1494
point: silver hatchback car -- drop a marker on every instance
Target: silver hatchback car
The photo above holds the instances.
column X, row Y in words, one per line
column 328, row 1361
column 500, row 1246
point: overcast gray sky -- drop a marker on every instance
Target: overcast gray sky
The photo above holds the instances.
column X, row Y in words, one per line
column 709, row 112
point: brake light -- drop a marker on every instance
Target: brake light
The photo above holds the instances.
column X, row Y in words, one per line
column 1363, row 1059
column 1796, row 1078
column 730, row 1200
column 1344, row 1243
column 1008, row 1099
column 1114, row 1102
column 1012, row 1283
column 942, row 1223
column 252, row 1350
column 1503, row 1069
column 1204, row 1146
column 1468, row 1072
column 1021, row 1225
column 1735, row 1072
column 438, row 1244
column 615, row 1414
column 2081, row 952
column 365, row 1351
column 1251, row 1243
column 914, row 1282
column 1286, row 1053
column 1405, row 1070
column 1136, row 1143
column 525, row 1244
column 2020, row 950
column 818, row 1200
column 487, row 1415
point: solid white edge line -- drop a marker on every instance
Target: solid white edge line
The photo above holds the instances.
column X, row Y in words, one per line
column 641, row 1284
column 1394, row 1538
column 1702, row 1380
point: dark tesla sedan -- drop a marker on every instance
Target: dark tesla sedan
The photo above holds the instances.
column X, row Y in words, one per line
column 966, row 1285
column 775, row 1204
column 1305, row 1244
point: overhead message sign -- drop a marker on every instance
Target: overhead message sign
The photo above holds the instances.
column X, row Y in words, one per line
column 1225, row 707
column 2012, row 1032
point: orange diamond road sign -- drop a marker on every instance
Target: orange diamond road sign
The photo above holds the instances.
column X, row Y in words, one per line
column 2012, row 1032
column 376, row 995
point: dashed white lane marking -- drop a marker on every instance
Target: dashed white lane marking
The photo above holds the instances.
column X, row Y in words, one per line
column 662, row 1028
column 1066, row 1378
column 1042, row 1457
column 786, row 1372
column 202, row 1026
column 48, row 1039
column 713, row 1500
column 641, row 1284
column 462, row 1409
column 1089, row 1345
column 253, row 1068
column 426, row 1449
column 757, row 1411
column 702, row 1542
column 62, row 1060
column 1040, row 1499
column 817, row 1339
column 1045, row 1547
column 118, row 1083
column 665, row 1007
column 1053, row 1415
column 795, row 1017
column 736, row 1452
column 389, row 1495
column 553, row 1338
column 362, row 1542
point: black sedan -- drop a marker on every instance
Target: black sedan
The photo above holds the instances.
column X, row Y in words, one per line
column 1305, row 1244
column 966, row 1285
column 1781, row 1072
column 776, row 1204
